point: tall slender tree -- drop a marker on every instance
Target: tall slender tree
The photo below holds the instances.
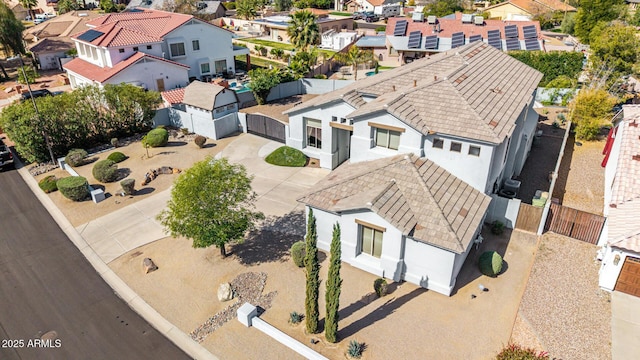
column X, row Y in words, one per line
column 354, row 57
column 334, row 283
column 303, row 30
column 313, row 275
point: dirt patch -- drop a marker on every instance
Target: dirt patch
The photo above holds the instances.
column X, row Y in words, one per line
column 47, row 79
column 177, row 154
column 274, row 109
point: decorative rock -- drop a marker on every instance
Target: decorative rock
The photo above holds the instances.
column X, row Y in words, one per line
column 148, row 265
column 128, row 186
column 224, row 292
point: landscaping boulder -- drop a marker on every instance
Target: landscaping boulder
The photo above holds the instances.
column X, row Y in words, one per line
column 225, row 293
column 128, row 186
column 149, row 265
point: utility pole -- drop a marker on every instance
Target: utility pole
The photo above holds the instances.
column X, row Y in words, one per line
column 35, row 107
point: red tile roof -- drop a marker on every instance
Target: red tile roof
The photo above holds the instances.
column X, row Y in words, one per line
column 174, row 96
column 102, row 74
column 537, row 6
column 450, row 26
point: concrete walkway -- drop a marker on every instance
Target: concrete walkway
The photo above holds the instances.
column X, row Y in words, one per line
column 625, row 326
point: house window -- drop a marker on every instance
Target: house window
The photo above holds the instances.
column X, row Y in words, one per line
column 221, row 66
column 343, row 120
column 334, row 118
column 438, row 143
column 314, row 133
column 231, row 107
column 204, row 68
column 135, row 48
column 506, row 153
column 177, row 49
column 196, row 45
column 474, row 150
column 149, row 47
column 393, row 52
column 370, row 241
column 387, row 138
column 455, row 146
column 120, row 51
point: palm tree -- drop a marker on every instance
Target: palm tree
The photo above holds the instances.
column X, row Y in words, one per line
column 355, row 57
column 246, row 9
column 303, row 30
column 277, row 53
column 29, row 5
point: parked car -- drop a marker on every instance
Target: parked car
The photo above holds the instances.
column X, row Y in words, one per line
column 371, row 18
column 6, row 157
column 36, row 94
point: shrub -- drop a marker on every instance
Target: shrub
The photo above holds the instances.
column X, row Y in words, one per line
column 490, row 263
column 287, row 156
column 514, row 351
column 295, row 317
column 114, row 142
column 184, row 131
column 74, row 188
column 48, row 184
column 200, row 140
column 128, row 186
column 380, row 287
column 298, row 253
column 355, row 349
column 157, row 137
column 75, row 157
column 497, row 227
column 105, row 171
column 117, row 157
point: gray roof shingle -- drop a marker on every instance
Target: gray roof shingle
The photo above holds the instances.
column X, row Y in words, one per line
column 201, row 95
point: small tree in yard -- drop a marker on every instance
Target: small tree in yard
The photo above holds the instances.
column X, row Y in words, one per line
column 590, row 110
column 262, row 81
column 212, row 204
column 334, row 282
column 313, row 275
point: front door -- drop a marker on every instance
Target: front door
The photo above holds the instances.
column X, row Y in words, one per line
column 343, row 138
column 160, row 84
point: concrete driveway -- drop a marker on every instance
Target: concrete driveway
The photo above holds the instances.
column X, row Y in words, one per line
column 625, row 326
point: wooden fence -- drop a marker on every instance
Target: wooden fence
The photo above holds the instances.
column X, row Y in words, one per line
column 574, row 223
column 529, row 218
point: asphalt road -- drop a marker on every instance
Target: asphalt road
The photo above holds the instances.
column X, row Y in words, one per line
column 47, row 285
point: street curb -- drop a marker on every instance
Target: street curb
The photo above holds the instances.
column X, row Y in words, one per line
column 135, row 302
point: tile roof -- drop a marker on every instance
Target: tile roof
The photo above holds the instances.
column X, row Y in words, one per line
column 62, row 25
column 102, row 74
column 372, row 41
column 537, row 6
column 476, row 92
column 56, row 44
column 201, row 95
column 415, row 195
column 623, row 228
column 174, row 96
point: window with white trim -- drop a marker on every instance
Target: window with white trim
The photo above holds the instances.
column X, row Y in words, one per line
column 221, row 66
column 387, row 138
column 177, row 49
column 195, row 45
column 204, row 68
column 314, row 133
column 370, row 241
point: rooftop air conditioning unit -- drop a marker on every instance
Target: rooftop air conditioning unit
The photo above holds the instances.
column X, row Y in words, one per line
column 417, row 17
column 478, row 20
column 432, row 19
column 467, row 18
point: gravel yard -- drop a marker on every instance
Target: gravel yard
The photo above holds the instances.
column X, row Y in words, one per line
column 274, row 109
column 563, row 311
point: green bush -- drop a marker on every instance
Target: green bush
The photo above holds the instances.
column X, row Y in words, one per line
column 380, row 287
column 588, row 130
column 74, row 188
column 295, row 317
column 48, row 184
column 517, row 352
column 157, row 137
column 75, row 157
column 287, row 156
column 105, row 171
column 298, row 252
column 490, row 263
column 200, row 141
column 128, row 186
column 117, row 157
column 497, row 228
column 355, row 349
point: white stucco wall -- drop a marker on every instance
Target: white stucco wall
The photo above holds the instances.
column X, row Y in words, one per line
column 49, row 61
column 115, row 56
column 609, row 272
column 363, row 145
column 224, row 98
column 148, row 71
column 429, row 266
column 92, row 54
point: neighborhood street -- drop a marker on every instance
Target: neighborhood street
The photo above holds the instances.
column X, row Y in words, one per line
column 48, row 290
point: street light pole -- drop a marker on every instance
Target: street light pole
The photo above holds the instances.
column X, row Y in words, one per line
column 35, row 107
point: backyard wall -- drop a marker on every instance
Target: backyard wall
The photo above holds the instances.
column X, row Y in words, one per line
column 213, row 129
column 503, row 210
column 298, row 87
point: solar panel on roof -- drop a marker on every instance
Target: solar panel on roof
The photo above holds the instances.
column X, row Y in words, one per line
column 474, row 38
column 511, row 31
column 90, row 35
column 431, row 42
column 457, row 39
column 414, row 39
column 401, row 27
column 531, row 44
column 529, row 32
column 494, row 39
column 513, row 44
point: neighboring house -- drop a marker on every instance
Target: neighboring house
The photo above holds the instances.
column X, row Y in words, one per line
column 473, row 119
column 376, row 5
column 17, row 9
column 50, row 51
column 411, row 38
column 527, row 9
column 176, row 48
column 206, row 9
column 377, row 44
column 275, row 27
column 620, row 269
column 401, row 217
column 335, row 40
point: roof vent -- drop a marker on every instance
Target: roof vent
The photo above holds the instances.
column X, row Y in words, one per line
column 467, row 18
column 393, row 87
column 436, row 28
column 636, row 157
column 82, row 14
column 432, row 19
column 435, row 77
column 417, row 17
column 478, row 20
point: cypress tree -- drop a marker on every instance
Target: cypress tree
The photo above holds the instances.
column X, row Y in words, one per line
column 313, row 275
column 334, row 282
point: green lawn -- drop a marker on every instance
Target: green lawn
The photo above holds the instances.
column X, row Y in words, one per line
column 287, row 156
column 338, row 13
column 386, row 67
column 283, row 46
column 241, row 62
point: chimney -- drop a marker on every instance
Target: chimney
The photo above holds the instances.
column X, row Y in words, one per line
column 415, row 83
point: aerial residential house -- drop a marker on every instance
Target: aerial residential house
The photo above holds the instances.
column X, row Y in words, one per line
column 155, row 49
column 527, row 9
column 332, row 39
column 275, row 26
column 620, row 269
column 426, row 142
column 419, row 36
column 204, row 9
column 376, row 44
